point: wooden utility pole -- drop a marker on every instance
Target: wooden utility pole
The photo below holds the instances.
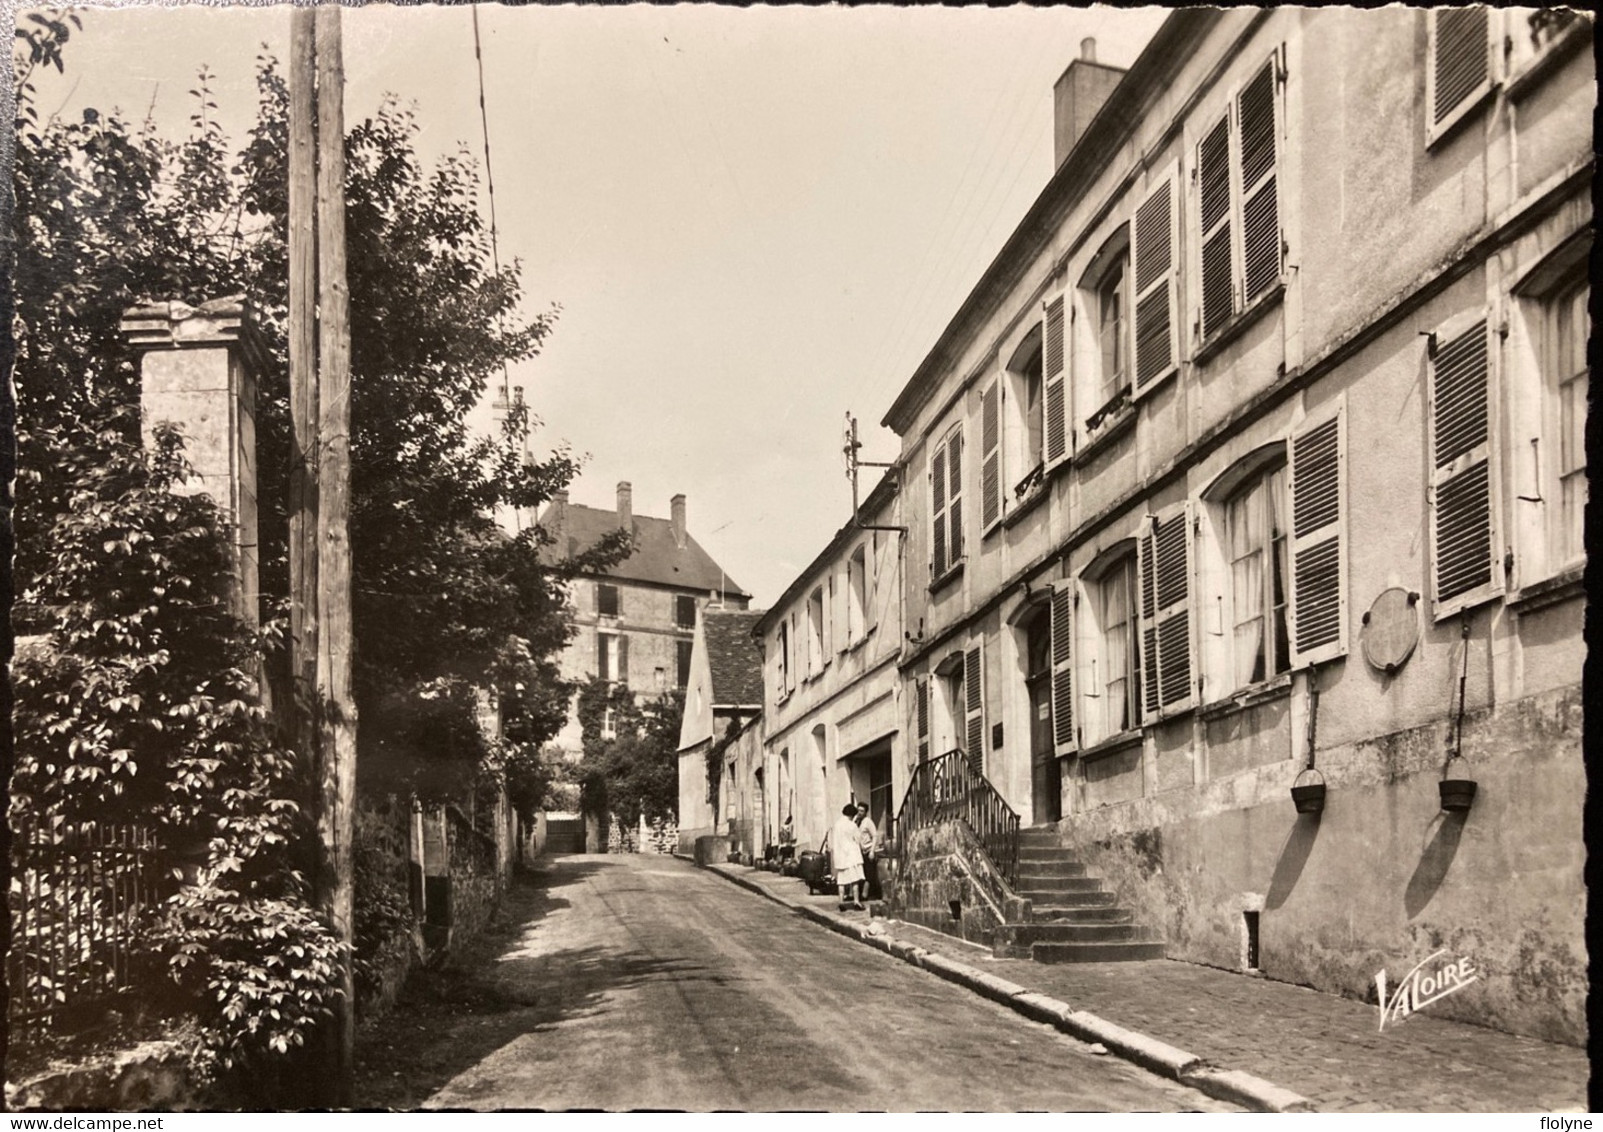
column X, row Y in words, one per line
column 320, row 560
column 337, row 726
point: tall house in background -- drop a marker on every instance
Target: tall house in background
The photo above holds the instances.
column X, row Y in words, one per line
column 636, row 620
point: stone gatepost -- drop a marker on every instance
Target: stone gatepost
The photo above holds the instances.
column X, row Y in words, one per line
column 198, row 368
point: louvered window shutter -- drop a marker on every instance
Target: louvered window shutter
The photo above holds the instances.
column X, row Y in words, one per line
column 991, row 456
column 1154, row 243
column 1063, row 737
column 1149, row 629
column 1218, row 244
column 1055, row 384
column 1260, row 206
column 922, row 709
column 938, row 543
column 954, row 500
column 974, row 708
column 1461, row 66
column 1317, row 544
column 1463, row 530
column 1166, row 614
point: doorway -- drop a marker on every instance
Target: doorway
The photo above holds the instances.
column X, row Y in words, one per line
column 1046, row 775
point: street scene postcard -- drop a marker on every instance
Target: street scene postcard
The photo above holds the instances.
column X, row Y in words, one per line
column 766, row 559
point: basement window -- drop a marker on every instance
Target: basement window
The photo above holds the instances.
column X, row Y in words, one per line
column 1249, row 930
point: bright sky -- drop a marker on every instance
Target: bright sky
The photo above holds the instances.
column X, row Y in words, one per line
column 754, row 219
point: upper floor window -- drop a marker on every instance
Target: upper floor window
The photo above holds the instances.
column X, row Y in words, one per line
column 782, row 657
column 946, row 504
column 606, row 600
column 1104, row 336
column 684, row 611
column 1458, row 64
column 612, row 657
column 1112, row 307
column 685, row 649
column 1238, row 206
column 856, row 595
column 815, row 632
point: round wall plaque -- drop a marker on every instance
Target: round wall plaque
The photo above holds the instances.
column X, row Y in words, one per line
column 1391, row 629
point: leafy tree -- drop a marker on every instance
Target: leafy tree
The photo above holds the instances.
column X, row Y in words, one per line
column 634, row 769
column 110, row 214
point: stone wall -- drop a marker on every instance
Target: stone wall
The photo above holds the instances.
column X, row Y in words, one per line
column 944, row 880
column 1383, row 877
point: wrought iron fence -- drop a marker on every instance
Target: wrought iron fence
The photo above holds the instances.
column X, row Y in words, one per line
column 76, row 894
column 949, row 788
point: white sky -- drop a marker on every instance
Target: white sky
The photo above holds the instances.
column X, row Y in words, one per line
column 754, row 219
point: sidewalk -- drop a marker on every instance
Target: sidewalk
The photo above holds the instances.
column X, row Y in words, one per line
column 1319, row 1050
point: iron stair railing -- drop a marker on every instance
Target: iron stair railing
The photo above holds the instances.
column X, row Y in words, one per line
column 948, row 788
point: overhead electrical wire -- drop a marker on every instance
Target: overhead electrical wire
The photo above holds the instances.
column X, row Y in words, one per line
column 489, row 180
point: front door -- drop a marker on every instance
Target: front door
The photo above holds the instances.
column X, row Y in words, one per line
column 1046, row 782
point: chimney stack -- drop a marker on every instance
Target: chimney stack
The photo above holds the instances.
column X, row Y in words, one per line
column 1077, row 96
column 626, row 512
column 678, row 507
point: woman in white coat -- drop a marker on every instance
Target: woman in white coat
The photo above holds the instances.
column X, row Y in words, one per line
column 846, row 858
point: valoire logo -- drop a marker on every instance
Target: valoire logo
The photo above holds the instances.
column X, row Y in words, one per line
column 1420, row 988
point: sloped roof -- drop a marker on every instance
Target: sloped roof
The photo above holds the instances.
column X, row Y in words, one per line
column 733, row 656
column 655, row 559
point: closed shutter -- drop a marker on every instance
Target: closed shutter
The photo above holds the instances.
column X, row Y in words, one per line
column 1055, row 384
column 921, row 708
column 623, row 660
column 1461, row 66
column 991, row 456
column 1317, row 544
column 954, row 500
column 1260, row 206
column 1155, row 240
column 1218, row 244
column 974, row 708
column 1166, row 614
column 1463, row 524
column 938, row 543
column 1063, row 737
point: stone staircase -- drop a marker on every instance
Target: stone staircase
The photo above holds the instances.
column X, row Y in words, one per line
column 1072, row 918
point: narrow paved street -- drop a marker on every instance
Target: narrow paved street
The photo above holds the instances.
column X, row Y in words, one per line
column 627, row 982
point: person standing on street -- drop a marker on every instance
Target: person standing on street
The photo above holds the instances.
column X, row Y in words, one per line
column 868, row 841
column 846, row 857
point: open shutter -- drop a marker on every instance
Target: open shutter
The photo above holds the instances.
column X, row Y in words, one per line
column 1463, row 525
column 1317, row 544
column 1460, row 69
column 1055, row 384
column 954, row 500
column 921, row 708
column 991, row 456
column 1155, row 241
column 1149, row 624
column 871, row 583
column 1218, row 256
column 1166, row 614
column 974, row 708
column 623, row 660
column 938, row 543
column 1063, row 737
column 1260, row 205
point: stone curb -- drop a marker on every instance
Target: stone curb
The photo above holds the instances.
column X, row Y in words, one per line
column 1165, row 1060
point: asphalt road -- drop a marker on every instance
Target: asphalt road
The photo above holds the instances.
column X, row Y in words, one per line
column 631, row 982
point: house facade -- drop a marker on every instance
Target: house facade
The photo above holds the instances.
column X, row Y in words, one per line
column 1256, row 458
column 832, row 711
column 635, row 621
column 721, row 779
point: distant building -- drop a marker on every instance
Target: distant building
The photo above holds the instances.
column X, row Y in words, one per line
column 721, row 785
column 833, row 710
column 635, row 620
